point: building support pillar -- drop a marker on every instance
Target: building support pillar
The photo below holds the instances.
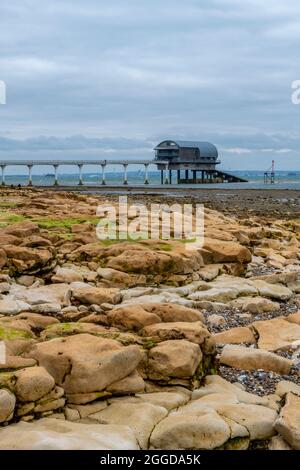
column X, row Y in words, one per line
column 103, row 165
column 80, row 175
column 3, row 174
column 202, row 176
column 161, row 176
column 170, row 176
column 29, row 175
column 167, row 175
column 178, row 176
column 56, row 175
column 194, row 176
column 146, row 181
column 186, row 175
column 125, row 173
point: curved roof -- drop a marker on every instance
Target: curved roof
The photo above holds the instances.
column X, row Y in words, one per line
column 206, row 149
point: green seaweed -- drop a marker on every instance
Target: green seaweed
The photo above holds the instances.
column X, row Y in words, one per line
column 8, row 333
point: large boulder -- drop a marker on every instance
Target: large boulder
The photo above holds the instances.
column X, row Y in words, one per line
column 21, row 260
column 227, row 252
column 85, row 363
column 177, row 358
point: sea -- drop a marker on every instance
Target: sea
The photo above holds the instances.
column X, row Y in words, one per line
column 283, row 180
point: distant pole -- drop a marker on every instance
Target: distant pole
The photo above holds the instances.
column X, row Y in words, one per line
column 3, row 174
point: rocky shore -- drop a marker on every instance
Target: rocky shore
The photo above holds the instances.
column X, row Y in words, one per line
column 144, row 344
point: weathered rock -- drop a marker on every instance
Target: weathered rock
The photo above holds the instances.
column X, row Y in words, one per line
column 194, row 332
column 54, row 434
column 133, row 317
column 236, row 335
column 214, row 384
column 177, row 358
column 34, row 320
column 216, row 320
column 141, row 418
column 50, row 294
column 227, row 252
column 253, row 359
column 3, row 258
column 12, row 307
column 285, row 386
column 294, row 318
column 172, row 312
column 133, row 383
column 288, row 423
column 259, row 420
column 97, row 295
column 180, row 431
column 278, row 443
column 33, row 383
column 7, row 405
column 66, row 275
column 276, row 333
column 255, row 304
column 85, row 363
column 169, row 400
column 274, row 291
column 21, row 259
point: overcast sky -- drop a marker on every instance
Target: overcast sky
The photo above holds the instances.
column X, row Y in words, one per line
column 110, row 79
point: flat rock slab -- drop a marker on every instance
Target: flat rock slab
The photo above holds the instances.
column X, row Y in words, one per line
column 238, row 335
column 276, row 333
column 253, row 359
column 55, row 434
column 140, row 417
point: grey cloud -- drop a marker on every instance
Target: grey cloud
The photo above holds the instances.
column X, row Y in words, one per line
column 88, row 77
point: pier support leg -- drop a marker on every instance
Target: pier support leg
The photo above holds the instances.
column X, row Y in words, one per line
column 103, row 174
column 202, row 176
column 178, row 176
column 170, row 176
column 194, row 176
column 55, row 175
column 161, row 176
column 80, row 175
column 3, row 174
column 125, row 173
column 186, row 175
column 167, row 176
column 29, row 175
column 146, row 181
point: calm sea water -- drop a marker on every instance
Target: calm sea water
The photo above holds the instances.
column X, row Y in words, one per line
column 283, row 180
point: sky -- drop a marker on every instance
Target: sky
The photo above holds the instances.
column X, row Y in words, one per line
column 111, row 79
